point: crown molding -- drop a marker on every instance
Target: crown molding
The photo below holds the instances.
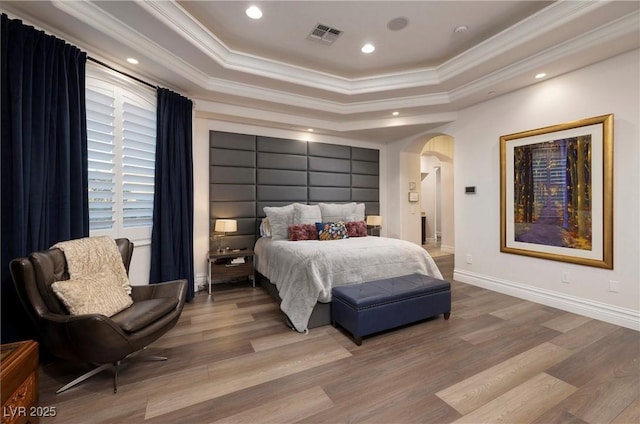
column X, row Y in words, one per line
column 99, row 19
column 555, row 15
column 297, row 100
column 176, row 18
column 534, row 26
column 614, row 30
column 218, row 109
column 618, row 28
column 184, row 24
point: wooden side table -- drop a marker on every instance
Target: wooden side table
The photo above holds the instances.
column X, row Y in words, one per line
column 19, row 375
column 220, row 266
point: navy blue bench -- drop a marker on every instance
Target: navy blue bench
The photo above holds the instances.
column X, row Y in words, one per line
column 374, row 306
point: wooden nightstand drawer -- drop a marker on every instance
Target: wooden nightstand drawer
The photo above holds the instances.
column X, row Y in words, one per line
column 223, row 267
column 227, row 272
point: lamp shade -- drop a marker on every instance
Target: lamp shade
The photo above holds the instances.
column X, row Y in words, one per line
column 374, row 220
column 226, row 225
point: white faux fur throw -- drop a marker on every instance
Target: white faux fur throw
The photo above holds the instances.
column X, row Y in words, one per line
column 89, row 256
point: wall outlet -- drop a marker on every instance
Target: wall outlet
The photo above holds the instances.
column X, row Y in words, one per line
column 469, row 258
column 614, row 286
column 566, row 277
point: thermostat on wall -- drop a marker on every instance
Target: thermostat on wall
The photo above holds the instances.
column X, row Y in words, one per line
column 470, row 190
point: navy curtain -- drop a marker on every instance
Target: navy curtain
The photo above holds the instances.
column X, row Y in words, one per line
column 172, row 233
column 44, row 152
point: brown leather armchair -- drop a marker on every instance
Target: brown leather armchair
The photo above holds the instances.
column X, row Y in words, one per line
column 94, row 338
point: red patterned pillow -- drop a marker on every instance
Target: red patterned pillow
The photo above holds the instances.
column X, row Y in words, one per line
column 356, row 228
column 303, row 232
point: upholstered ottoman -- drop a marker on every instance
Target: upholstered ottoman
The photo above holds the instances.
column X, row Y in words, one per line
column 374, row 306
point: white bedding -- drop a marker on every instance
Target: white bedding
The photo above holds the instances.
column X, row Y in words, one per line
column 305, row 271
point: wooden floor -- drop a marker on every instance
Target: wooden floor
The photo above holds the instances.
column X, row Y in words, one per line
column 498, row 359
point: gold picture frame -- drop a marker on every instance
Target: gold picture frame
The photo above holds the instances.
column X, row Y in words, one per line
column 556, row 192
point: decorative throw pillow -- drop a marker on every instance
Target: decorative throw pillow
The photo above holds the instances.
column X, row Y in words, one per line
column 356, row 228
column 334, row 212
column 306, row 214
column 96, row 294
column 303, row 232
column 279, row 219
column 331, row 230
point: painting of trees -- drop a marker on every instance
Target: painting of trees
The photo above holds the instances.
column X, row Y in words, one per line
column 552, row 192
column 556, row 192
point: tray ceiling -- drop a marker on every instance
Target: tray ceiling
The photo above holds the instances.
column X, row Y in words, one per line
column 270, row 72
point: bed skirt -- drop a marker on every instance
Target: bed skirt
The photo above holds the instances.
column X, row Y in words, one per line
column 321, row 314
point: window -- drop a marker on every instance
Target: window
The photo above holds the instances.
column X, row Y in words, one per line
column 121, row 133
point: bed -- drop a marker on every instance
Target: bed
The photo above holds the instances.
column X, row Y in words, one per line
column 301, row 274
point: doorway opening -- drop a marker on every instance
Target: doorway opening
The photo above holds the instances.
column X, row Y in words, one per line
column 437, row 193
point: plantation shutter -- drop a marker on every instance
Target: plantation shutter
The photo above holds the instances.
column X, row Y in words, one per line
column 138, row 161
column 101, row 153
column 121, row 132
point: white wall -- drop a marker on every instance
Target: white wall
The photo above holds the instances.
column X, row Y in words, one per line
column 611, row 86
column 140, row 263
column 201, row 175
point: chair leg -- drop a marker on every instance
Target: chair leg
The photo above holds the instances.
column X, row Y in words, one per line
column 83, row 377
column 146, row 358
column 116, row 365
column 154, row 358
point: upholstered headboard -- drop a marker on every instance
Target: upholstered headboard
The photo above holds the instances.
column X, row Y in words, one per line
column 249, row 172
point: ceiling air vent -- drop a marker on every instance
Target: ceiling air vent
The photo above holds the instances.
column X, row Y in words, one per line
column 324, row 34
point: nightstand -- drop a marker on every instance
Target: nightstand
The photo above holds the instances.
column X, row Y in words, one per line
column 228, row 266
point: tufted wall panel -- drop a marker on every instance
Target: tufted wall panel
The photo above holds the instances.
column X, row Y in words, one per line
column 247, row 173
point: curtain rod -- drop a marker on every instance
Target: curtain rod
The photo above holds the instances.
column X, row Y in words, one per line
column 123, row 73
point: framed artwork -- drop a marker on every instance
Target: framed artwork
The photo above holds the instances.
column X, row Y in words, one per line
column 556, row 192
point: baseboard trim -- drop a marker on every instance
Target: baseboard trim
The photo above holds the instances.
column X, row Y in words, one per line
column 200, row 281
column 447, row 248
column 624, row 317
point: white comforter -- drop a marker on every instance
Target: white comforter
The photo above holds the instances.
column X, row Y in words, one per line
column 305, row 271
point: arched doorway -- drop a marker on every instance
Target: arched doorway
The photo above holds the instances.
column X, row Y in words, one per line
column 439, row 148
column 437, row 191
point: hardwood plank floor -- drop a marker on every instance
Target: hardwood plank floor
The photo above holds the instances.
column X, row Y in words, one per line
column 498, row 359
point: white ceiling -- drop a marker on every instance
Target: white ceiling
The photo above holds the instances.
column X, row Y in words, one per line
column 267, row 72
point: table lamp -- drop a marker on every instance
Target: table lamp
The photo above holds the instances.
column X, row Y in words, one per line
column 225, row 226
column 374, row 221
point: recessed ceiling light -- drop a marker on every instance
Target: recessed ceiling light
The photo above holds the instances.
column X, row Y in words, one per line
column 541, row 75
column 254, row 12
column 368, row 48
column 461, row 29
column 132, row 60
column 396, row 113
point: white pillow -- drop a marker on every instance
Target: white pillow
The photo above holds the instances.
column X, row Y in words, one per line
column 358, row 213
column 306, row 214
column 279, row 219
column 333, row 212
